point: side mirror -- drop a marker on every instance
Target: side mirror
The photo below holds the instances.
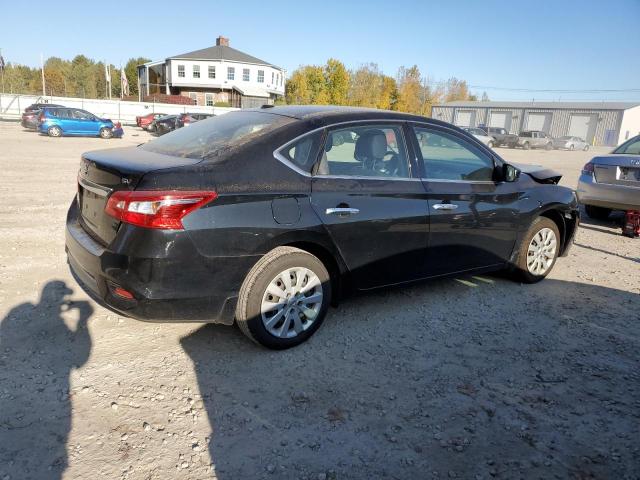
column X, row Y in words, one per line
column 510, row 173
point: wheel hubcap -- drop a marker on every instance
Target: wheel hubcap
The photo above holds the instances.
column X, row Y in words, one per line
column 291, row 303
column 541, row 251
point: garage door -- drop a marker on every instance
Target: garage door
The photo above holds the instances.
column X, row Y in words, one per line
column 500, row 120
column 539, row 121
column 466, row 118
column 583, row 126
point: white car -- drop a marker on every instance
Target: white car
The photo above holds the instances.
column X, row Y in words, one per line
column 481, row 135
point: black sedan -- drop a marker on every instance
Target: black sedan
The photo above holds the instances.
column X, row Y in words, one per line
column 266, row 217
column 164, row 124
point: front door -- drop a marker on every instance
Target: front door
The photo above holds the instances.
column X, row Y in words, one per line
column 473, row 218
column 365, row 191
column 85, row 122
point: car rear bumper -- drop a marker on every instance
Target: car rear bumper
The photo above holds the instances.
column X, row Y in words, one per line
column 182, row 287
column 615, row 197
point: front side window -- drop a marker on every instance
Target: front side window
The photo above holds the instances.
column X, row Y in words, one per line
column 365, row 151
column 231, row 73
column 245, row 74
column 260, row 76
column 212, row 71
column 181, row 70
column 196, row 71
column 447, row 157
column 208, row 99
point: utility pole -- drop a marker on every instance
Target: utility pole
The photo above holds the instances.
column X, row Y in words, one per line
column 44, row 92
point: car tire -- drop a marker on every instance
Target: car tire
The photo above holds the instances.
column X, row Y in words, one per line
column 490, row 144
column 54, row 131
column 597, row 213
column 106, row 132
column 538, row 251
column 586, row 148
column 572, row 147
column 288, row 271
column 512, row 145
column 526, row 145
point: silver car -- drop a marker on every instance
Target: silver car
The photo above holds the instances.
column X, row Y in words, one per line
column 612, row 182
column 480, row 135
column 570, row 143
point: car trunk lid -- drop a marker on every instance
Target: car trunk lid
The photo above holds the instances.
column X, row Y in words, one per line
column 104, row 171
column 616, row 169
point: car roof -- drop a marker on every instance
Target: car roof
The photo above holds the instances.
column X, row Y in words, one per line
column 326, row 114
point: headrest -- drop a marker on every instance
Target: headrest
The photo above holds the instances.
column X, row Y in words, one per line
column 371, row 145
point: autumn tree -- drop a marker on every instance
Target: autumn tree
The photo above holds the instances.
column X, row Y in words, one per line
column 337, row 82
column 410, row 90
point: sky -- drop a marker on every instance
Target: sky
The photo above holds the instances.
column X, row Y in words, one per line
column 514, row 45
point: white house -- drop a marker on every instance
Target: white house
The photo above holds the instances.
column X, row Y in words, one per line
column 218, row 74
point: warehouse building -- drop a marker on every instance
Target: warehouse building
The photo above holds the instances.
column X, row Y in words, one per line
column 599, row 123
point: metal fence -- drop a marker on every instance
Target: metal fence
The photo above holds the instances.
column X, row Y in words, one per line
column 12, row 106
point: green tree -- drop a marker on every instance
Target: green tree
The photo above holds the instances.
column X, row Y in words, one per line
column 131, row 71
column 337, row 82
column 297, row 88
column 410, row 90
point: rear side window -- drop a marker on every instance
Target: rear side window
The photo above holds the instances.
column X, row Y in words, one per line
column 375, row 150
column 303, row 152
column 212, row 137
column 448, row 157
column 525, row 134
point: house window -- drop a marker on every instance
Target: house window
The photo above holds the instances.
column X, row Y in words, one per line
column 260, row 76
column 181, row 70
column 196, row 71
column 212, row 71
column 272, row 74
column 245, row 74
column 194, row 97
column 231, row 73
column 278, row 79
column 208, row 99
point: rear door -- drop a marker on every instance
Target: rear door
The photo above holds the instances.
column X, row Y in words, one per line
column 365, row 191
column 473, row 218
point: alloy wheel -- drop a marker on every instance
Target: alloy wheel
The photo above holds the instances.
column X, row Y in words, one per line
column 291, row 302
column 542, row 251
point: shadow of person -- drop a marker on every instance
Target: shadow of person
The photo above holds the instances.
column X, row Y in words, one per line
column 37, row 352
column 397, row 383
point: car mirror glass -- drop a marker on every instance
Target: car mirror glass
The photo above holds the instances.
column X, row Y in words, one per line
column 510, row 173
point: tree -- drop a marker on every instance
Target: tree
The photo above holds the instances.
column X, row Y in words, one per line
column 366, row 86
column 410, row 90
column 456, row 90
column 297, row 88
column 337, row 82
column 131, row 71
column 388, row 93
column 485, row 97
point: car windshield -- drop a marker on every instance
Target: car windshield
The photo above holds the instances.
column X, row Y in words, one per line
column 631, row 147
column 211, row 137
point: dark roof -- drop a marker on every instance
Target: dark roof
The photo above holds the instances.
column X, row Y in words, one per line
column 331, row 113
column 548, row 105
column 222, row 52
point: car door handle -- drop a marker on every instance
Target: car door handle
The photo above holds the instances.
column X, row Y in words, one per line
column 445, row 206
column 341, row 211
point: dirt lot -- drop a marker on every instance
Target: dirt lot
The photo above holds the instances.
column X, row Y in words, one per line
column 476, row 377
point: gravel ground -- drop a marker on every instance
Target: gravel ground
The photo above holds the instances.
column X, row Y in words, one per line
column 474, row 377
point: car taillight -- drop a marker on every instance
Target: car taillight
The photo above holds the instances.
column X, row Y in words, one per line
column 41, row 117
column 588, row 169
column 156, row 209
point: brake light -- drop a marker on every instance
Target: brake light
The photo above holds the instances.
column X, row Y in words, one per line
column 588, row 169
column 156, row 209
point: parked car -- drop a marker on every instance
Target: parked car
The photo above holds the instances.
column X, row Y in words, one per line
column 570, row 143
column 534, row 139
column 186, row 119
column 40, row 106
column 57, row 122
column 501, row 136
column 145, row 120
column 612, row 182
column 481, row 135
column 163, row 125
column 267, row 216
column 30, row 119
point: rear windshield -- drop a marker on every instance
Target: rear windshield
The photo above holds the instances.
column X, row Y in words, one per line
column 213, row 136
column 631, row 147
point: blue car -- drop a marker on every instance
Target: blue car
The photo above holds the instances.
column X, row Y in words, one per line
column 56, row 122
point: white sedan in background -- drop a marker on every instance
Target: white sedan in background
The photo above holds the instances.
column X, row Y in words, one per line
column 480, row 135
column 570, row 143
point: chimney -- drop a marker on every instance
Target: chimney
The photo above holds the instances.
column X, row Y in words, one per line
column 224, row 41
